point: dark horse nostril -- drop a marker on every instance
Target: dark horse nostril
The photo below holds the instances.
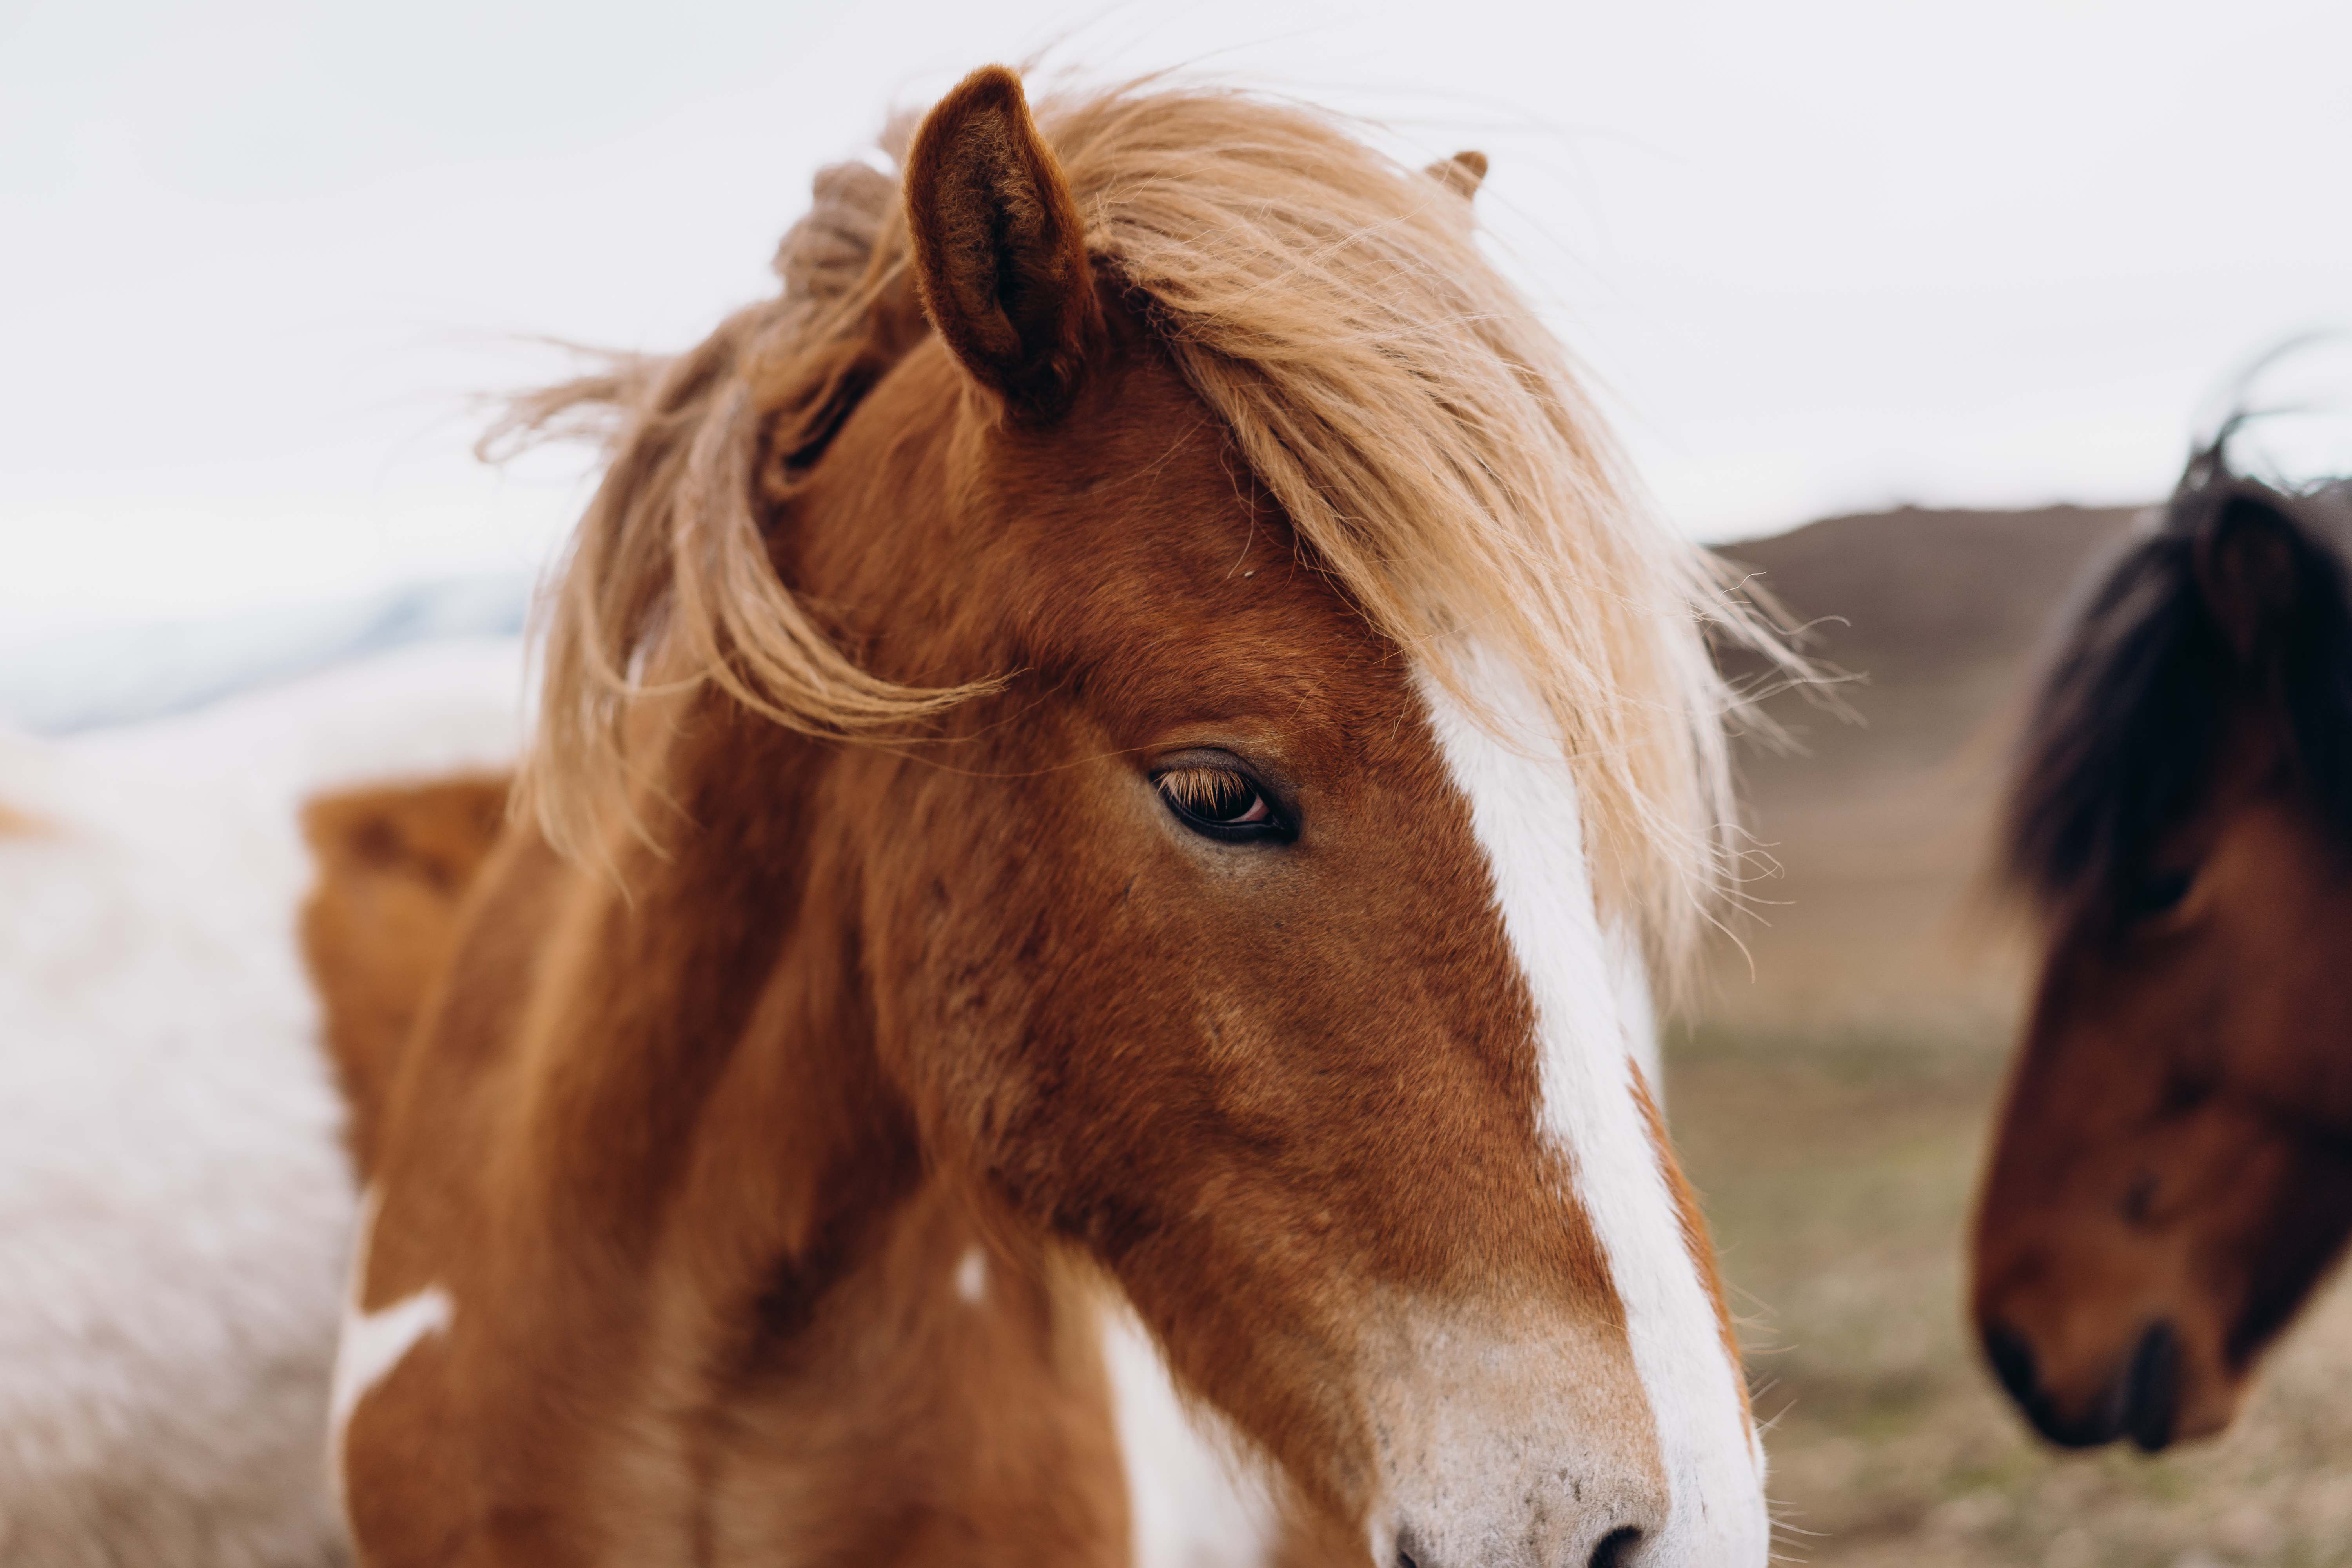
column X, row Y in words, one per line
column 2152, row 1388
column 1616, row 1548
column 2012, row 1361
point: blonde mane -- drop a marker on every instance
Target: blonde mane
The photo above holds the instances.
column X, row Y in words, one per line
column 1405, row 406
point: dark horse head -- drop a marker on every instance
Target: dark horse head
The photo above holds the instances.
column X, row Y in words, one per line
column 2173, row 1172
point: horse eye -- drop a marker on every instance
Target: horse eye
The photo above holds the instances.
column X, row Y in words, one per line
column 2159, row 893
column 1219, row 803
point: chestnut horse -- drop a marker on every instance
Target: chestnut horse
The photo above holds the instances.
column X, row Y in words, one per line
column 1075, row 987
column 2173, row 1172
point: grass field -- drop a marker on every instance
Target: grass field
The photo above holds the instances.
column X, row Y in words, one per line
column 1837, row 1174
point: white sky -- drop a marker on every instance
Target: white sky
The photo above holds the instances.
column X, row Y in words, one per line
column 1821, row 256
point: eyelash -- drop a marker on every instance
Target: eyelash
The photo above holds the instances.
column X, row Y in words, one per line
column 1222, row 804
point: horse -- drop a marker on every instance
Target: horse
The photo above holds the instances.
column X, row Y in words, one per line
column 1072, row 983
column 175, row 1208
column 2171, row 1175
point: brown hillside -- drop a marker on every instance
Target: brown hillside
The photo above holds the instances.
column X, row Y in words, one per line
column 1879, row 826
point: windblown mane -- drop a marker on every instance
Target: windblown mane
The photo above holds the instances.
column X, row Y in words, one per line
column 2122, row 733
column 1393, row 393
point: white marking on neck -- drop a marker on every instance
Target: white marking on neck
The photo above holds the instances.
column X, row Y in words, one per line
column 1196, row 1499
column 373, row 1344
column 1523, row 808
column 971, row 1276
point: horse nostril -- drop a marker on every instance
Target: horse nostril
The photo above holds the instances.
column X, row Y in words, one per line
column 1616, row 1548
column 2012, row 1361
column 2152, row 1388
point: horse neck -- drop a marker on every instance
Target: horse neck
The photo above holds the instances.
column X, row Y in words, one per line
column 836, row 1307
column 716, row 1066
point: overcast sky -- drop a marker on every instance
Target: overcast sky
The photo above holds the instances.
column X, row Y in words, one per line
column 259, row 258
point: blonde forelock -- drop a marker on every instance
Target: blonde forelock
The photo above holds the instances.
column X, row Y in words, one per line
column 1393, row 392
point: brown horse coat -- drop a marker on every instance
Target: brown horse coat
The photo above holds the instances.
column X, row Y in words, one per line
column 1176, row 954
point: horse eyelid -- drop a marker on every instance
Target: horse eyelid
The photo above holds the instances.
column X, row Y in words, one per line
column 1194, row 792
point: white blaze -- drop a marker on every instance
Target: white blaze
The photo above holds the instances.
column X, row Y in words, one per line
column 1637, row 1010
column 373, row 1344
column 1523, row 810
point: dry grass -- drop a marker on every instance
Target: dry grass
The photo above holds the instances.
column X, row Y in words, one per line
column 1832, row 1108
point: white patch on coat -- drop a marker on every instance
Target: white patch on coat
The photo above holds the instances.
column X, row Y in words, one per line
column 373, row 1344
column 1525, row 811
column 175, row 1205
column 971, row 1276
column 1197, row 1498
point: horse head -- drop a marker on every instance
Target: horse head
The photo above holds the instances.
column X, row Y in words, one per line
column 2173, row 1170
column 1131, row 801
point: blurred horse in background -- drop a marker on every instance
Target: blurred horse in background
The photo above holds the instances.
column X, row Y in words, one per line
column 175, row 1213
column 1114, row 763
column 2172, row 1174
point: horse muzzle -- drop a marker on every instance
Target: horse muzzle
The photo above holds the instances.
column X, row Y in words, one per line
column 2144, row 1390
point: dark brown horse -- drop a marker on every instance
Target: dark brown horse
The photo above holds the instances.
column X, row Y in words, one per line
column 1112, row 764
column 2173, row 1173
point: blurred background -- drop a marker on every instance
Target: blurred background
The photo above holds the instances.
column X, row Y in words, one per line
column 1961, row 280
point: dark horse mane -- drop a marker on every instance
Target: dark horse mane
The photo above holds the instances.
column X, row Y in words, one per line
column 2239, row 590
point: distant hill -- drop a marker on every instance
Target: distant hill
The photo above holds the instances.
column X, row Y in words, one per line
column 1880, row 826
column 1928, row 587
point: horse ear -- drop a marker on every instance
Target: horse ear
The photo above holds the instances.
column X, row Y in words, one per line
column 2246, row 561
column 999, row 246
column 1462, row 173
